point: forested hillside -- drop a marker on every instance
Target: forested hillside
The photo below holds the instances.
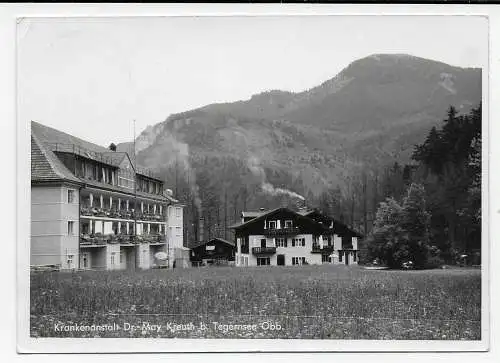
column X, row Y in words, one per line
column 342, row 146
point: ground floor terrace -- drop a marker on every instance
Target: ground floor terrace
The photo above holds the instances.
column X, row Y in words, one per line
column 122, row 256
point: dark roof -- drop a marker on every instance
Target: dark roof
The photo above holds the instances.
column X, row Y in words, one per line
column 309, row 213
column 252, row 214
column 48, row 134
column 269, row 212
column 216, row 239
column 263, row 214
column 46, row 166
column 62, row 142
column 115, row 157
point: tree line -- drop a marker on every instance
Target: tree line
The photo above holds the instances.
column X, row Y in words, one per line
column 445, row 176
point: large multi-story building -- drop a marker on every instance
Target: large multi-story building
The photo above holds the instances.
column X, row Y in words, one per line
column 285, row 237
column 91, row 208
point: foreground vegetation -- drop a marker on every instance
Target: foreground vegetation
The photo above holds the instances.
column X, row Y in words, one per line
column 312, row 302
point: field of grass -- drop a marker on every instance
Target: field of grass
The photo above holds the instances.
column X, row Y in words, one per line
column 312, row 302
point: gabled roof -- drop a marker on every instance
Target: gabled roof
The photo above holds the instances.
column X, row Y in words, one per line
column 270, row 212
column 216, row 239
column 48, row 134
column 46, row 166
column 310, row 213
column 258, row 217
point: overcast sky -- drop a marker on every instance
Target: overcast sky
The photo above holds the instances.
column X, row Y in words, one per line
column 91, row 77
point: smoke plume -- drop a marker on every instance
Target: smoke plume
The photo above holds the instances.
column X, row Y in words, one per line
column 178, row 152
column 257, row 170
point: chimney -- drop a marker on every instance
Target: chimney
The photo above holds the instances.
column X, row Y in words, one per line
column 200, row 229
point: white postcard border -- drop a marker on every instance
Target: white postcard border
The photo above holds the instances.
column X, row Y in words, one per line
column 61, row 345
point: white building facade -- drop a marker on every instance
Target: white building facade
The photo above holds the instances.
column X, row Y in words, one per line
column 178, row 254
column 283, row 237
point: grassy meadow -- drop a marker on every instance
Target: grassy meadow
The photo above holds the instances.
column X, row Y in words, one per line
column 310, row 302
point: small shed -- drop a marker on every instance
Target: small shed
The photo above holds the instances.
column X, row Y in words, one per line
column 215, row 252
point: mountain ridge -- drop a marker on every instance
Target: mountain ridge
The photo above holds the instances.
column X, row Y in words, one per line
column 372, row 112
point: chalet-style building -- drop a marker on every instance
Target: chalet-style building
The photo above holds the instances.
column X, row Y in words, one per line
column 339, row 238
column 217, row 251
column 92, row 209
column 283, row 237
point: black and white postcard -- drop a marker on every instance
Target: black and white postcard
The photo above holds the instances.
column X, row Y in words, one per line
column 253, row 182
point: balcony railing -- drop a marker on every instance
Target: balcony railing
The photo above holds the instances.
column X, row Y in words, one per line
column 325, row 249
column 121, row 214
column 263, row 250
column 100, row 239
column 282, row 231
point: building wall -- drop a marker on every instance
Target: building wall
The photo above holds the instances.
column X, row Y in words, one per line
column 175, row 226
column 181, row 258
column 70, row 242
column 143, row 261
column 175, row 236
column 289, row 252
column 50, row 212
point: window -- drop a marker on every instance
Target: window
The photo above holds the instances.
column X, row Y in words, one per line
column 263, row 261
column 178, row 231
column 71, row 226
column 70, row 260
column 71, row 196
column 298, row 242
column 272, row 224
column 280, row 242
column 109, row 176
column 298, row 261
column 288, row 224
column 113, row 257
column 177, row 212
column 325, row 258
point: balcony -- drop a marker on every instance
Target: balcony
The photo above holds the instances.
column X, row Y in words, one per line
column 120, row 214
column 263, row 250
column 324, row 250
column 92, row 240
column 99, row 239
column 288, row 231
